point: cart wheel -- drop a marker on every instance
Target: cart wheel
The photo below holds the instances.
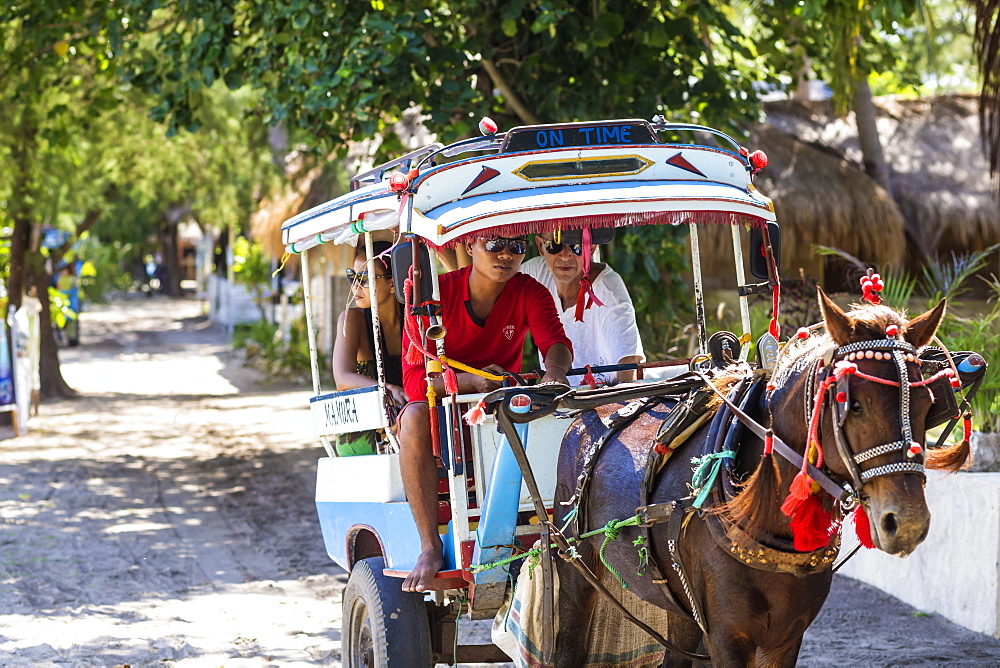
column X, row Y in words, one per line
column 383, row 626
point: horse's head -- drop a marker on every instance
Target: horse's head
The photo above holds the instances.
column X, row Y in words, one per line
column 873, row 425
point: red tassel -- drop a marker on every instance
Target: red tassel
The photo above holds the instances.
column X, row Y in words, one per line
column 450, row 382
column 588, row 378
column 863, row 527
column 800, row 490
column 810, row 525
column 477, row 414
column 413, row 354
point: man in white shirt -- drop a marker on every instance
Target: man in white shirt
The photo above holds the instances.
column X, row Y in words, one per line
column 608, row 333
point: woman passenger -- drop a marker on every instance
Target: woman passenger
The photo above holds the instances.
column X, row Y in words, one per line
column 354, row 347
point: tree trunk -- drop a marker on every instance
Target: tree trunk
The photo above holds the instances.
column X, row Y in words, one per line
column 871, row 145
column 50, row 373
column 876, row 166
column 23, row 152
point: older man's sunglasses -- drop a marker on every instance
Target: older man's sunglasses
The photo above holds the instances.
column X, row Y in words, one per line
column 553, row 248
column 516, row 246
column 360, row 277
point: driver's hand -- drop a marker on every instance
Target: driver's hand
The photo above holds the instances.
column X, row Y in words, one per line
column 488, row 384
column 554, row 375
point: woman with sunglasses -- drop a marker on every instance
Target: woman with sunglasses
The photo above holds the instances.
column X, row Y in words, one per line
column 354, row 347
column 607, row 334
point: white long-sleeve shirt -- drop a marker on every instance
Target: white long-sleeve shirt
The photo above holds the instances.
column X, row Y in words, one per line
column 608, row 333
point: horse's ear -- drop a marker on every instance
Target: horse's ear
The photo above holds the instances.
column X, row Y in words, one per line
column 919, row 331
column 838, row 324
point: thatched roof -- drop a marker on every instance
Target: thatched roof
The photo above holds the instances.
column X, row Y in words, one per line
column 819, row 199
column 940, row 176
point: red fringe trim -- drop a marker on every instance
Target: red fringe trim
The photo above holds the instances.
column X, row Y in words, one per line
column 616, row 220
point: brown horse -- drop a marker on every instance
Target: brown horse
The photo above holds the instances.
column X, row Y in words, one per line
column 729, row 575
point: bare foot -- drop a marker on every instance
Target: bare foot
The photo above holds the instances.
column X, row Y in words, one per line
column 428, row 564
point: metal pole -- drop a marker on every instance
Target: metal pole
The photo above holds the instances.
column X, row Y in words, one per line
column 699, row 293
column 311, row 335
column 377, row 332
column 741, row 279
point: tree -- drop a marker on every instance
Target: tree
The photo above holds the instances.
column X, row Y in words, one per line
column 347, row 70
column 77, row 142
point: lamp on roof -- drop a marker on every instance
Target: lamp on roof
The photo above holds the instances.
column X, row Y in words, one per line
column 487, row 126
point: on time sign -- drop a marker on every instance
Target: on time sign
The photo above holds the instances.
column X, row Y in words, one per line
column 347, row 411
column 578, row 134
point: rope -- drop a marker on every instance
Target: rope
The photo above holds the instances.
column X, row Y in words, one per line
column 706, row 470
column 610, row 531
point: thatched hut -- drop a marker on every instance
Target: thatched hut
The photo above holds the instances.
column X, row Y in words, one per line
column 940, row 177
column 819, row 199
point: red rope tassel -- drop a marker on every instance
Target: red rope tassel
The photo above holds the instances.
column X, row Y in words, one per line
column 477, row 414
column 588, row 378
column 450, row 381
column 863, row 527
column 810, row 525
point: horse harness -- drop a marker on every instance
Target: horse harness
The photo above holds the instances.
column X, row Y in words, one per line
column 827, row 381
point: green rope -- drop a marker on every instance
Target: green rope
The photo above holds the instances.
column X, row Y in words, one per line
column 706, row 470
column 569, row 517
column 610, row 531
column 643, row 552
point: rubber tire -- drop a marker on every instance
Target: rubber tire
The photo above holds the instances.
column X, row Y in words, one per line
column 383, row 626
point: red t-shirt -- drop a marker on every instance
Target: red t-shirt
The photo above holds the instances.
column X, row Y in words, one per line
column 524, row 305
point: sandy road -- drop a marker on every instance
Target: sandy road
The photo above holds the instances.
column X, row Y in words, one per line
column 166, row 518
column 167, row 515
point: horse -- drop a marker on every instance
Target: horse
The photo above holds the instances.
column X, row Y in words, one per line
column 736, row 575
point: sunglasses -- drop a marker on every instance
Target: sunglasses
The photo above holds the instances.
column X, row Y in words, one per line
column 360, row 277
column 516, row 246
column 553, row 248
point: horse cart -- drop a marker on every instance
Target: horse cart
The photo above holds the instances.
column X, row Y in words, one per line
column 508, row 491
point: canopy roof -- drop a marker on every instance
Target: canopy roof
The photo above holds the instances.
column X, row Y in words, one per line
column 541, row 178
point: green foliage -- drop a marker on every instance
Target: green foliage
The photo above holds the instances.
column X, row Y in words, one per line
column 979, row 334
column 250, row 266
column 278, row 356
column 948, row 279
column 347, row 70
column 59, row 308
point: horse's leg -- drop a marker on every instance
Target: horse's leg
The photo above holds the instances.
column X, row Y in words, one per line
column 685, row 634
column 575, row 607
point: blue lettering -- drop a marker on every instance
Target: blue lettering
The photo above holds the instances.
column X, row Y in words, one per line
column 541, row 139
column 556, row 137
column 626, row 134
column 611, row 135
column 586, row 132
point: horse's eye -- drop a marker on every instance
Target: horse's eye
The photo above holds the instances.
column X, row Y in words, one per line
column 855, row 406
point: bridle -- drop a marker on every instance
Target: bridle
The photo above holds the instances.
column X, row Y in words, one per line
column 827, row 387
column 834, row 390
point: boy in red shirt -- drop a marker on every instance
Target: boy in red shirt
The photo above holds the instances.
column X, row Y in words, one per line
column 487, row 308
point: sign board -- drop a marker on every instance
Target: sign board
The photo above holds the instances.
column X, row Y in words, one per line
column 347, row 411
column 6, row 368
column 578, row 134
